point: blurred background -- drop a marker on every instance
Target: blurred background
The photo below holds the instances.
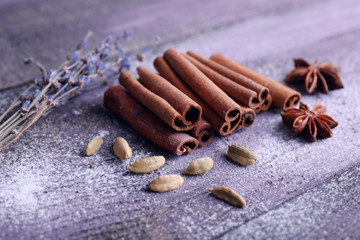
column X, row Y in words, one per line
column 49, row 30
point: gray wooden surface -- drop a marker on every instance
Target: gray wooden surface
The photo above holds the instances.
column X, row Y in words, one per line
column 296, row 190
column 49, row 30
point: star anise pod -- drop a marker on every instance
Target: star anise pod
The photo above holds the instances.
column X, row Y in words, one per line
column 322, row 76
column 313, row 124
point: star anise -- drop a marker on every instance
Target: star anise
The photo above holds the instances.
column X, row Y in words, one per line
column 313, row 124
column 322, row 76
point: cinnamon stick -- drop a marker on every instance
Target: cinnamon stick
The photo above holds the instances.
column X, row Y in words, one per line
column 203, row 86
column 267, row 103
column 190, row 111
column 283, row 96
column 123, row 105
column 155, row 103
column 235, row 76
column 203, row 132
column 248, row 117
column 257, row 109
column 220, row 125
column 238, row 92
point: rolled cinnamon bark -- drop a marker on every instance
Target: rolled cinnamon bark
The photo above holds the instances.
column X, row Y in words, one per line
column 203, row 86
column 267, row 103
column 123, row 105
column 238, row 92
column 283, row 97
column 155, row 103
column 190, row 111
column 248, row 117
column 257, row 109
column 220, row 125
column 203, row 132
column 235, row 76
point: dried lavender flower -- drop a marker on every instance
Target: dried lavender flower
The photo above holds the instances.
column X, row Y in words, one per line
column 78, row 73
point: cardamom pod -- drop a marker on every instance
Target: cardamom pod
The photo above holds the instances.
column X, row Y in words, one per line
column 93, row 146
column 122, row 149
column 146, row 165
column 166, row 183
column 199, row 166
column 228, row 195
column 241, row 155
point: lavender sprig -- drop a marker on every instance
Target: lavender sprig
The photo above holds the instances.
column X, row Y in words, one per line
column 80, row 72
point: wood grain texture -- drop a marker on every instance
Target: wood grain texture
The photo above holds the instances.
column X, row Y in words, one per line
column 336, row 213
column 47, row 189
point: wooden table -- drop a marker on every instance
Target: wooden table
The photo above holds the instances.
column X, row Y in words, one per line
column 296, row 190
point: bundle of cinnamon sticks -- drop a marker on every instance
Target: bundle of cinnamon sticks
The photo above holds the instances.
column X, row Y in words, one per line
column 191, row 97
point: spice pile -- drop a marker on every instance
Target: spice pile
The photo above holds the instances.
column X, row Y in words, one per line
column 191, row 97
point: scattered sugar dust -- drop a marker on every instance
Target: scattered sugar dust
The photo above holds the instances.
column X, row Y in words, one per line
column 21, row 190
column 76, row 112
column 104, row 133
